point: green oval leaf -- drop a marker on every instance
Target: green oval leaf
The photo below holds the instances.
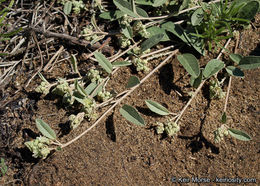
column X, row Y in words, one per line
column 157, row 3
column 195, row 82
column 121, row 63
column 103, row 62
column 157, row 108
column 150, row 42
column 125, row 7
column 112, row 15
column 233, row 71
column 91, row 87
column 185, row 36
column 239, row 134
column 213, row 67
column 248, row 11
column 128, row 32
column 249, row 62
column 131, row 114
column 157, row 30
column 190, row 63
column 235, row 58
column 45, row 129
column 197, row 17
column 67, row 7
column 133, row 81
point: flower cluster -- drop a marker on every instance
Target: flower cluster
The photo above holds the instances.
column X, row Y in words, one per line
column 103, row 96
column 77, row 5
column 139, row 28
column 64, row 89
column 170, row 128
column 75, row 120
column 88, row 31
column 125, row 20
column 220, row 133
column 89, row 106
column 94, row 76
column 215, row 90
column 124, row 41
column 43, row 88
column 141, row 64
column 39, row 147
column 137, row 51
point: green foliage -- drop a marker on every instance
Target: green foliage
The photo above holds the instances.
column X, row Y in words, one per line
column 233, row 71
column 133, row 81
column 190, row 64
column 212, row 67
column 45, row 129
column 249, row 62
column 217, row 21
column 103, row 62
column 185, row 35
column 121, row 63
column 126, row 7
column 150, row 42
column 132, row 115
column 239, row 134
column 157, row 108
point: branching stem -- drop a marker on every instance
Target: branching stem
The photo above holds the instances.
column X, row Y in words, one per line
column 119, row 100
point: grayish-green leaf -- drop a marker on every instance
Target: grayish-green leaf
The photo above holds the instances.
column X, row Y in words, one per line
column 248, row 11
column 195, row 82
column 235, row 58
column 74, row 63
column 185, row 36
column 213, row 67
column 91, row 87
column 80, row 100
column 233, row 71
column 80, row 89
column 239, row 134
column 158, row 3
column 157, row 30
column 144, row 2
column 112, row 15
column 128, row 32
column 126, row 7
column 190, row 63
column 121, row 63
column 67, row 7
column 45, row 129
column 150, row 42
column 185, row 4
column 249, row 62
column 197, row 17
column 141, row 12
column 224, row 117
column 131, row 114
column 157, row 108
column 103, row 62
column 133, row 81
